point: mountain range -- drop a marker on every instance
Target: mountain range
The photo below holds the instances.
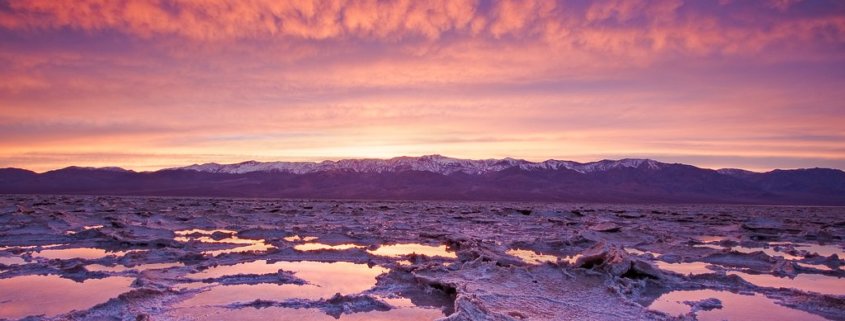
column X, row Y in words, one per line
column 436, row 177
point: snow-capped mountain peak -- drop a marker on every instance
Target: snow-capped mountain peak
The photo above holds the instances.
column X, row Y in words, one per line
column 92, row 168
column 428, row 163
column 736, row 172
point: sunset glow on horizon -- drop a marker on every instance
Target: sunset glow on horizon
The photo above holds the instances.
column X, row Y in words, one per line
column 152, row 84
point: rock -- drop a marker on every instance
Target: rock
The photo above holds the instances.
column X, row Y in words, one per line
column 630, row 215
column 336, row 306
column 347, row 304
column 280, row 277
column 784, row 268
column 705, row 305
column 670, row 258
column 471, row 308
column 608, row 227
column 217, row 236
column 768, row 225
column 757, row 261
column 261, row 233
column 522, row 211
column 613, row 259
column 192, row 258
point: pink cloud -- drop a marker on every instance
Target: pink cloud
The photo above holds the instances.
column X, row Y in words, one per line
column 657, row 26
column 537, row 79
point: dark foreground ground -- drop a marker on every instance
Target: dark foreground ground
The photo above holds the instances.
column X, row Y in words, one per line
column 134, row 258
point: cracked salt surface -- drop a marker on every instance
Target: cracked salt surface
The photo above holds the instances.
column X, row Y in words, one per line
column 211, row 259
column 51, row 295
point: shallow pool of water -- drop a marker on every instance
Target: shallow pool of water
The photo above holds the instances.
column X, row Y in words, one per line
column 324, row 281
column 805, row 282
column 195, row 231
column 770, row 251
column 206, row 236
column 51, row 295
column 714, row 238
column 397, row 250
column 29, row 247
column 84, row 228
column 532, row 257
column 12, row 260
column 815, row 266
column 571, row 259
column 736, row 307
column 142, row 267
column 641, row 252
column 297, row 238
column 321, row 246
column 288, row 314
column 685, row 268
column 89, row 253
column 822, row 250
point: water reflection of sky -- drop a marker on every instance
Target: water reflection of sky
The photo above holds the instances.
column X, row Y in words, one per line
column 50, row 295
column 324, row 280
column 229, row 237
column 805, row 282
column 88, row 253
column 735, row 307
column 396, row 250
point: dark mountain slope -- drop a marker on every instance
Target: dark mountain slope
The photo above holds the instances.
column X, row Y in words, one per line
column 637, row 181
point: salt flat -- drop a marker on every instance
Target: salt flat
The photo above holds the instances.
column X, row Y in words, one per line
column 149, row 258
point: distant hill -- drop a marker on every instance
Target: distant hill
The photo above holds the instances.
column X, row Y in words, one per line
column 443, row 178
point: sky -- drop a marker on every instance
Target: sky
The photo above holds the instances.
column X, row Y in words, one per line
column 150, row 84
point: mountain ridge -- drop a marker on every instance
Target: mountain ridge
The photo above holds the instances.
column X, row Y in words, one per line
column 438, row 177
column 302, row 167
column 432, row 163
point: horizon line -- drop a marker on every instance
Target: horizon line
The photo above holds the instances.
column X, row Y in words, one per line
column 115, row 167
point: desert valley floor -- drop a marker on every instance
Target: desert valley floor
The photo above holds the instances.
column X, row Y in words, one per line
column 137, row 258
